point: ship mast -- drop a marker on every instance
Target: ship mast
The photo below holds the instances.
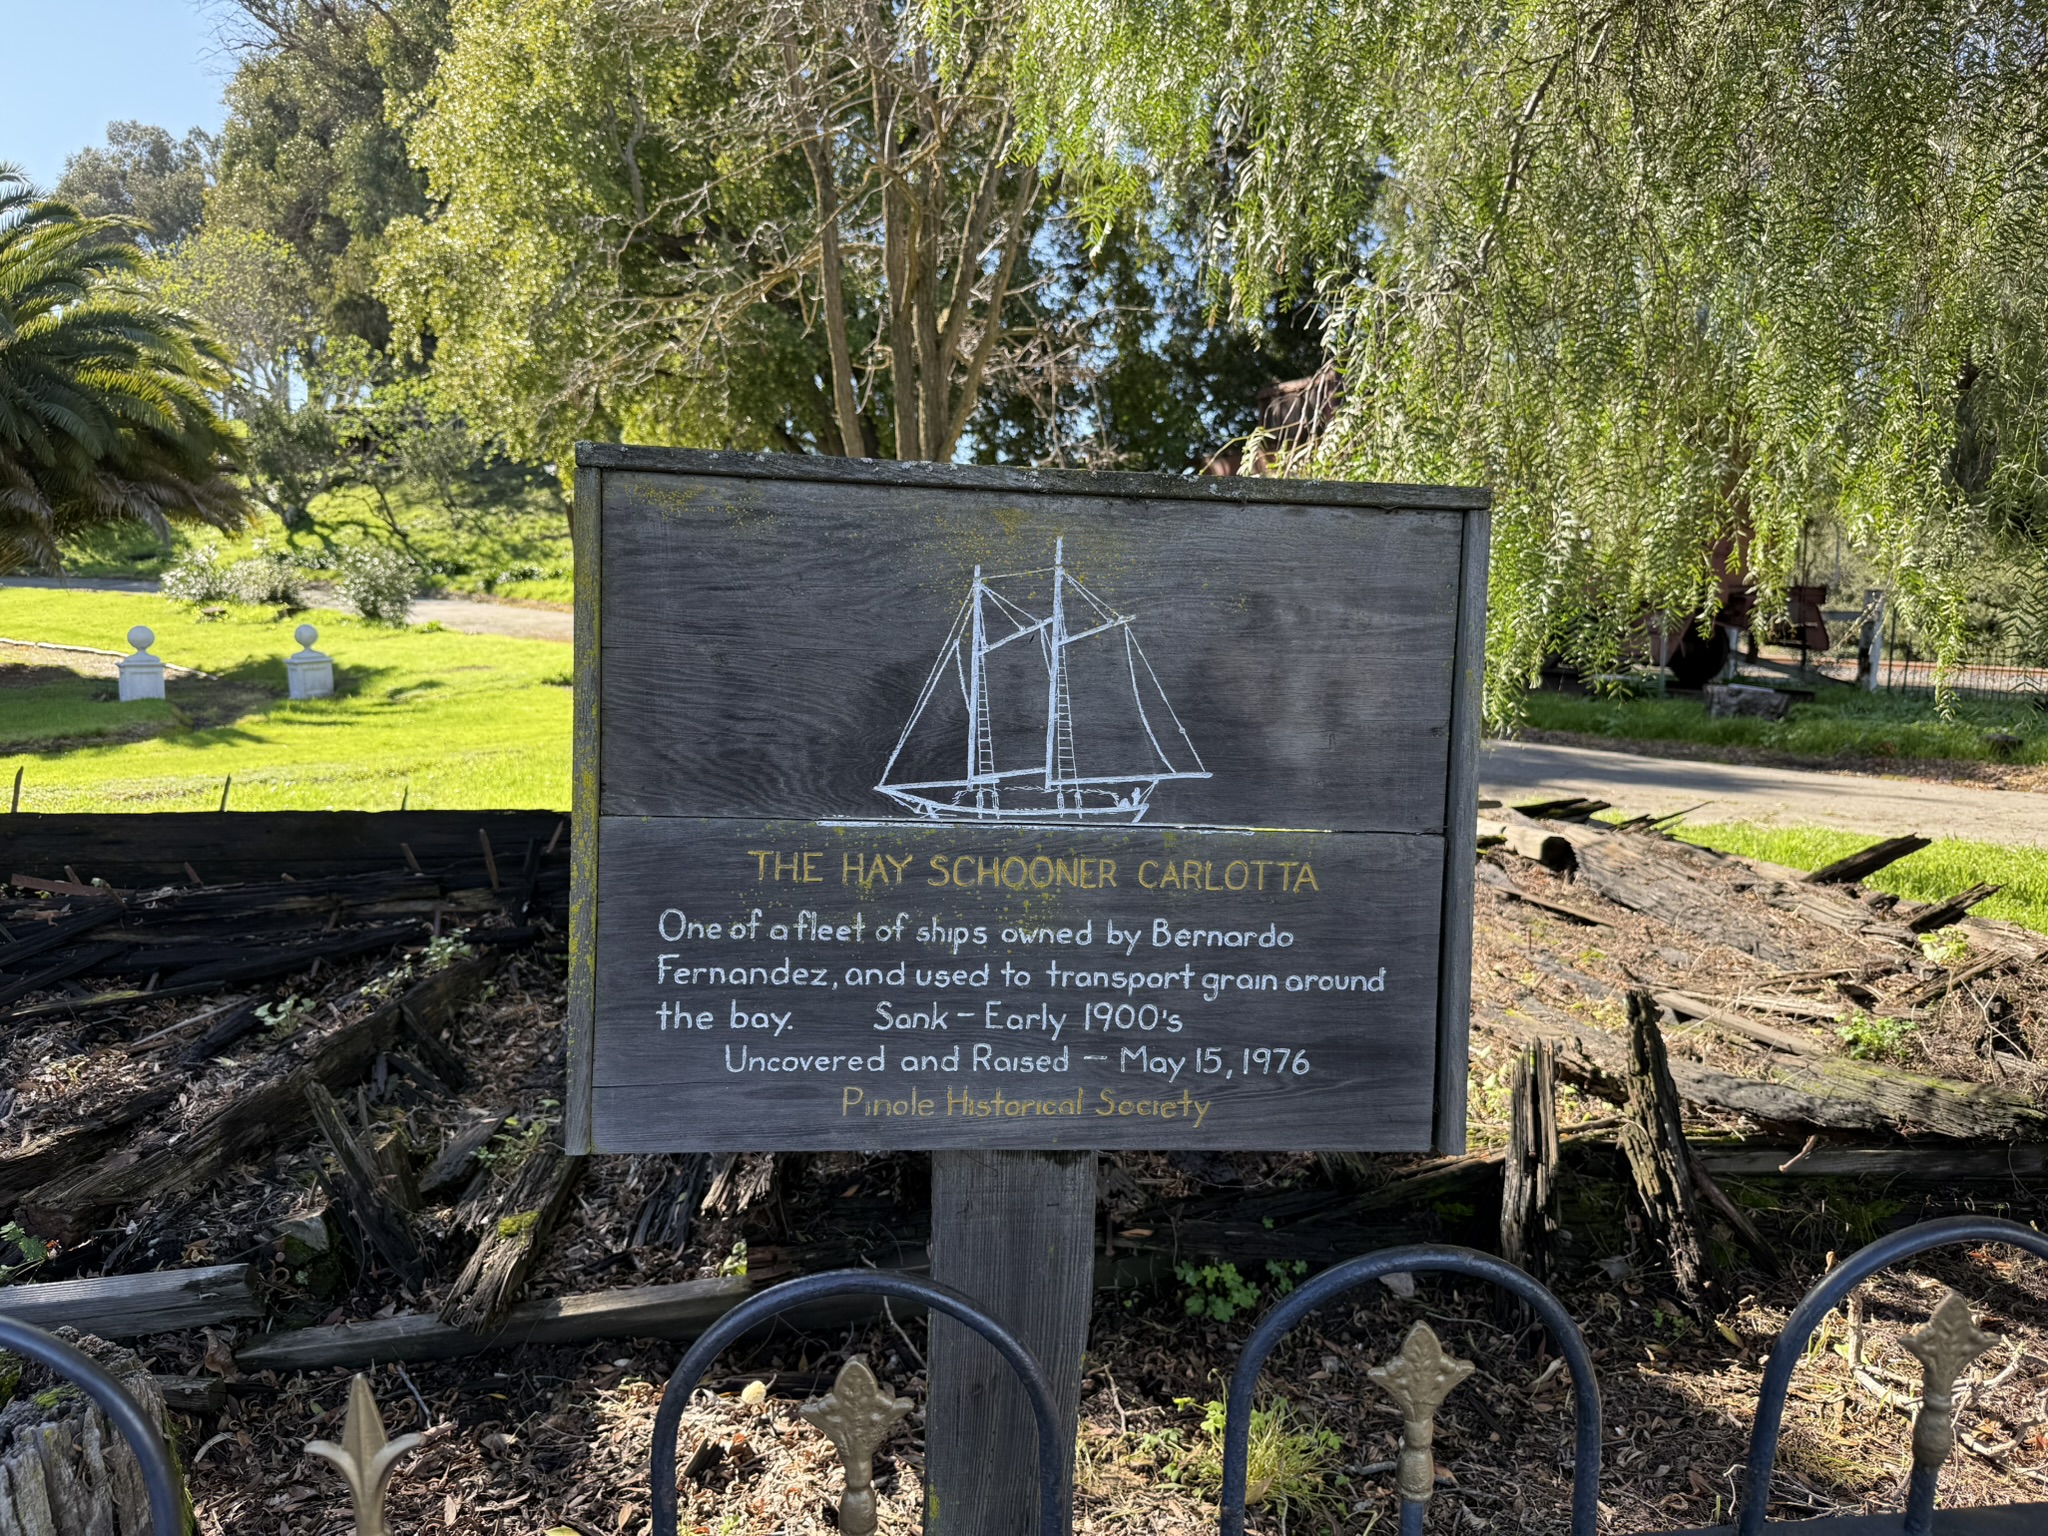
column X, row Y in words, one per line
column 1059, row 710
column 977, row 702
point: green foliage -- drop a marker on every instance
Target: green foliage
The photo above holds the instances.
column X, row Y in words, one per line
column 1294, row 1465
column 284, row 1016
column 700, row 224
column 1668, row 279
column 32, row 1251
column 105, row 413
column 1875, row 1037
column 313, row 151
column 378, row 583
column 205, row 573
column 1933, row 874
column 1946, row 946
column 1216, row 1291
column 143, row 174
column 1840, row 722
column 1142, row 365
column 1220, row 1293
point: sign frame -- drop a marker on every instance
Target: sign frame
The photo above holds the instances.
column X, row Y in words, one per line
column 594, row 462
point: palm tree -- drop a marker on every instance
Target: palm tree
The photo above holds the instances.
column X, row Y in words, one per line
column 104, row 406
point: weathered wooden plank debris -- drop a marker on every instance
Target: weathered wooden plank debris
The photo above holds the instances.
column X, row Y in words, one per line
column 256, row 1115
column 1819, row 1092
column 1529, row 1164
column 1492, row 877
column 456, row 1163
column 1867, row 861
column 368, row 1194
column 1539, row 844
column 1661, row 879
column 129, row 1306
column 1652, row 1138
column 1941, row 913
column 512, row 1235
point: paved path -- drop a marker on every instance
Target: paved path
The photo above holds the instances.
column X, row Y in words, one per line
column 1522, row 771
column 472, row 618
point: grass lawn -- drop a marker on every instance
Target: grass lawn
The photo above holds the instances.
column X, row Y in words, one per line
column 1840, row 722
column 457, row 721
column 518, row 549
column 1937, row 871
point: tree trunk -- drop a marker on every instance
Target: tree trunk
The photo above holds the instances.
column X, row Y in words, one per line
column 64, row 1470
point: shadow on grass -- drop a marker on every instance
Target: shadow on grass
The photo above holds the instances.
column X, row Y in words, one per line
column 53, row 710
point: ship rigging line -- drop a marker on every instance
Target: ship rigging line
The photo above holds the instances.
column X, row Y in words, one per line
column 949, row 650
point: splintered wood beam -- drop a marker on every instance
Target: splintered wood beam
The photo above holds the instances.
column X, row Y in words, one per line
column 1816, row 1092
column 67, row 1205
column 456, row 1163
column 364, row 1192
column 512, row 1239
column 1942, row 913
column 128, row 1306
column 1867, row 861
column 1540, row 845
column 1652, row 1137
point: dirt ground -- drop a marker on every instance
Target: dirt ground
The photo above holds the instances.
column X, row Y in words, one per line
column 539, row 1440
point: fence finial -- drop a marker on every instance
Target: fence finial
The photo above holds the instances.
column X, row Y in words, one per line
column 1418, row 1380
column 1944, row 1348
column 856, row 1416
column 365, row 1457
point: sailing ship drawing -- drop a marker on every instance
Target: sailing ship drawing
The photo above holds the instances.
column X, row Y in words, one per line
column 1057, row 714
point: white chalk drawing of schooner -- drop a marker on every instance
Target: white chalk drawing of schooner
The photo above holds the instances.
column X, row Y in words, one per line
column 1056, row 715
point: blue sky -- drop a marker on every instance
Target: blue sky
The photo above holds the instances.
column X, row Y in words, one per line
column 77, row 65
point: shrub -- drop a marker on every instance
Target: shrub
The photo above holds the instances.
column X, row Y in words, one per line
column 199, row 576
column 378, row 583
column 267, row 579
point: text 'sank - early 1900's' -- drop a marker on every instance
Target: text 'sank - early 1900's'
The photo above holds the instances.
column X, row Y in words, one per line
column 944, row 808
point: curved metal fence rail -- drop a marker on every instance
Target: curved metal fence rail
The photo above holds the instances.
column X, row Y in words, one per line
column 1932, row 1433
column 1419, row 1380
column 166, row 1494
column 1053, row 1513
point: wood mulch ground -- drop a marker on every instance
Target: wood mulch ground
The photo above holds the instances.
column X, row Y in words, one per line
column 538, row 1440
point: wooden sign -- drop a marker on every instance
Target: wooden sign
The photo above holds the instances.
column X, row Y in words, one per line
column 928, row 806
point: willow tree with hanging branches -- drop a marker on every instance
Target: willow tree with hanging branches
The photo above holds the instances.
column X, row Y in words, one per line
column 1665, row 277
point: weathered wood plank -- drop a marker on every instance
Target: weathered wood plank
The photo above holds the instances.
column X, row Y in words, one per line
column 1015, row 1231
column 580, row 1021
column 1867, row 861
column 834, row 470
column 682, row 1310
column 1941, row 913
column 1461, row 792
column 733, row 692
column 154, row 1164
column 1368, row 1072
column 1822, row 1092
column 519, row 1225
column 131, row 851
column 360, row 1189
column 1659, row 878
column 129, row 1306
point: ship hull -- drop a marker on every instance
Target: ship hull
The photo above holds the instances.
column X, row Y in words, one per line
column 1021, row 803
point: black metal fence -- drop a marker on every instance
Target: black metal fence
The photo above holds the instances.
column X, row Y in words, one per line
column 858, row 1414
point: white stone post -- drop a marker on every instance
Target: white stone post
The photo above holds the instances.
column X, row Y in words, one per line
column 311, row 673
column 142, row 675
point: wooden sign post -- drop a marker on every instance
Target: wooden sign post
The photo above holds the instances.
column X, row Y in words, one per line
column 1018, row 815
